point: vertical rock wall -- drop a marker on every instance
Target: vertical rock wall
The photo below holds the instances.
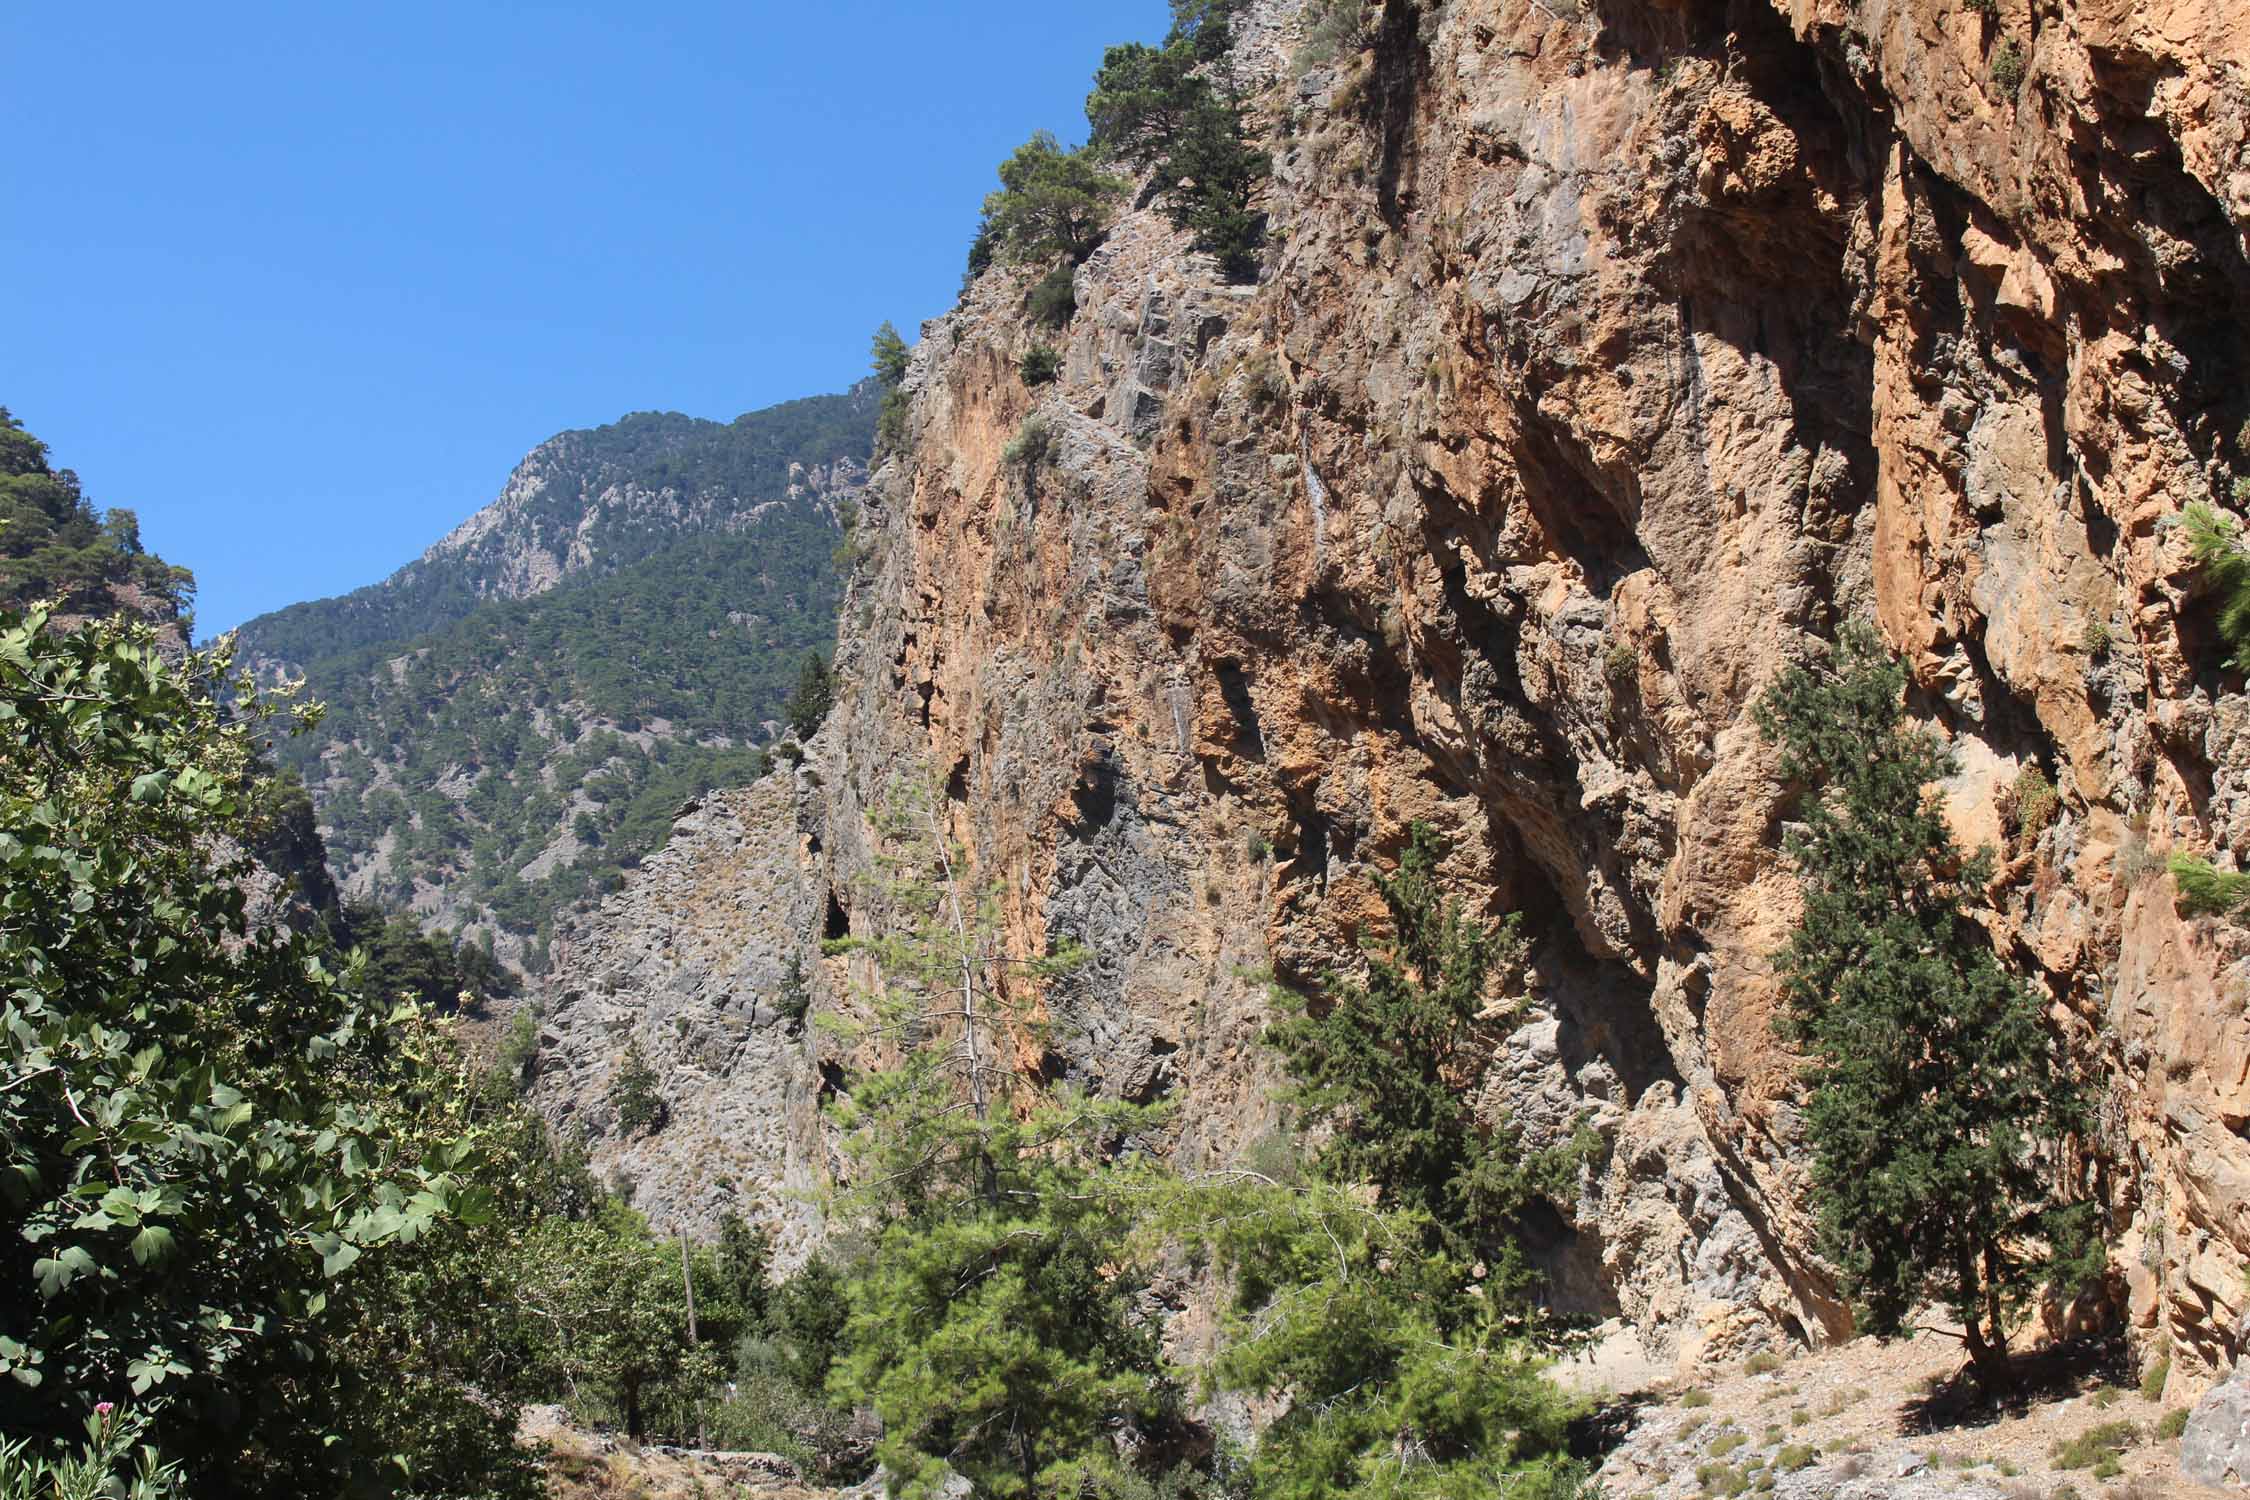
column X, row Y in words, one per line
column 1608, row 356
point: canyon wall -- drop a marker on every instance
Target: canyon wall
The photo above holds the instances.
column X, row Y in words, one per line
column 1606, row 358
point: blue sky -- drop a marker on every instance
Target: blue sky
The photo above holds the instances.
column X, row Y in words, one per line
column 299, row 283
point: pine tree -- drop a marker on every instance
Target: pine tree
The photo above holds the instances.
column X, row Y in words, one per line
column 1050, row 202
column 1939, row 1104
column 890, row 355
column 993, row 1328
column 634, row 1094
column 815, row 695
column 1392, row 1061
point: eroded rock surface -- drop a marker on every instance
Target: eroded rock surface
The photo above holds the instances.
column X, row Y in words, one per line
column 1607, row 358
column 689, row 962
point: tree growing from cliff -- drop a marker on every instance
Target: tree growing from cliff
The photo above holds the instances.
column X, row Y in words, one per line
column 1939, row 1102
column 635, row 1095
column 1175, row 109
column 1050, row 202
column 993, row 1327
column 812, row 699
column 890, row 355
column 2215, row 540
column 1391, row 1062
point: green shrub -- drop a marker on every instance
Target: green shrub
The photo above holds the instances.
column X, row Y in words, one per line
column 2172, row 1423
column 2206, row 891
column 1333, row 28
column 1726, row 1442
column 1053, row 298
column 1795, row 1456
column 1031, row 446
column 2029, row 804
column 1621, row 665
column 2008, row 68
column 1690, row 1400
column 2153, row 1380
column 1721, row 1480
column 1039, row 365
column 113, row 1464
column 1764, row 1362
column 2215, row 541
column 2094, row 1445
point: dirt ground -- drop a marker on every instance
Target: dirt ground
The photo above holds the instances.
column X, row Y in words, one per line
column 587, row 1466
column 1870, row 1419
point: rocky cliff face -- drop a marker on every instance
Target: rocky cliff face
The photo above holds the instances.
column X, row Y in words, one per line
column 1607, row 357
column 691, row 962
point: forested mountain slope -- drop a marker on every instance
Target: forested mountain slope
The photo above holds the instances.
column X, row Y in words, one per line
column 514, row 717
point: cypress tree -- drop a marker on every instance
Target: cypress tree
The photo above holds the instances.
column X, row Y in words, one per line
column 1939, row 1103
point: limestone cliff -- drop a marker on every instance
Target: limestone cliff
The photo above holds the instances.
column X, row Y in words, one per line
column 1605, row 358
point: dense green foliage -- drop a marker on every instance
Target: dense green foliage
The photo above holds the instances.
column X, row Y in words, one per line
column 1389, row 1294
column 1403, row 1375
column 54, row 546
column 207, row 1128
column 1001, row 1323
column 2215, row 538
column 1938, row 1100
column 578, row 720
column 2205, row 890
column 402, row 962
column 1175, row 109
column 279, row 1223
column 1392, row 1061
column 992, row 1328
column 1050, row 202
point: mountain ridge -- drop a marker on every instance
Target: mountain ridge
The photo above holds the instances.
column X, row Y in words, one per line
column 512, row 717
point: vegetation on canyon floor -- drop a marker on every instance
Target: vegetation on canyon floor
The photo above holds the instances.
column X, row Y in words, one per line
column 1939, row 1105
column 276, row 1222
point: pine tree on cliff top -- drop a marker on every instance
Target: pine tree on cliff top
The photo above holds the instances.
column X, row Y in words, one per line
column 1939, row 1103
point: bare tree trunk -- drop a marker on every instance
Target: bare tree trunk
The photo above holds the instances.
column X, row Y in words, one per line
column 687, row 1280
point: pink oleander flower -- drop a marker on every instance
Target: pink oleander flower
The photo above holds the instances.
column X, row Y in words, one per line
column 104, row 1408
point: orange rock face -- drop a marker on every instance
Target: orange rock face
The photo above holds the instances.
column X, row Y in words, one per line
column 1608, row 357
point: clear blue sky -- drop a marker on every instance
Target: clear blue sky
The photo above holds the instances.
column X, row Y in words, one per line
column 300, row 282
